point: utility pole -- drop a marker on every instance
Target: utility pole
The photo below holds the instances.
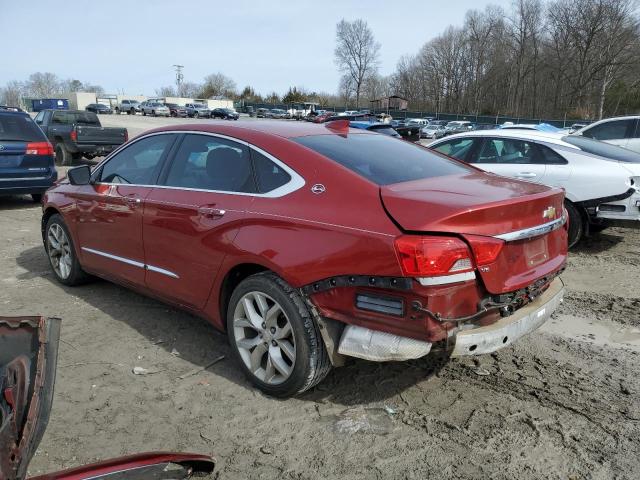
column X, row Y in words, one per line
column 179, row 78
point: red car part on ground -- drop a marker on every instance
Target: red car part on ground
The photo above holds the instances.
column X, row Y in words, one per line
column 311, row 242
column 28, row 358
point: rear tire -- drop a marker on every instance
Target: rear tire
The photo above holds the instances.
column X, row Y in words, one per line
column 62, row 253
column 576, row 223
column 196, row 115
column 267, row 319
column 63, row 156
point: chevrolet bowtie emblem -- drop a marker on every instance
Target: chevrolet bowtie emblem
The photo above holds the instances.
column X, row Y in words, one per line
column 549, row 212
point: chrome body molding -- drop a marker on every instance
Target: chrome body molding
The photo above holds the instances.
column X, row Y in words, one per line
column 444, row 279
column 128, row 261
column 533, row 231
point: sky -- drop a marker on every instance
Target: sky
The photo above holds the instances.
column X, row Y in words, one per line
column 130, row 46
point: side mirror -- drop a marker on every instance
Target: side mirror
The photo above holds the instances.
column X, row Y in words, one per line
column 79, row 175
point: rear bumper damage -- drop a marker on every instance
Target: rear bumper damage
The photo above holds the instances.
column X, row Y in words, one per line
column 465, row 339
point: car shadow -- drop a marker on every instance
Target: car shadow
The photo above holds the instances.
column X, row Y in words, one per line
column 17, row 202
column 598, row 242
column 199, row 343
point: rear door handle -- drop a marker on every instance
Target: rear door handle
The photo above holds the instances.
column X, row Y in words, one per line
column 211, row 212
column 526, row 175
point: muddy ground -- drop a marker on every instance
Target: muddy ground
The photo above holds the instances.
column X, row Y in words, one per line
column 563, row 403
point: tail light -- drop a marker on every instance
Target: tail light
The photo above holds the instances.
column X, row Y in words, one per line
column 74, row 135
column 126, row 136
column 432, row 256
column 485, row 249
column 39, row 148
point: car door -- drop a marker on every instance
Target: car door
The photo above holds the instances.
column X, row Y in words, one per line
column 510, row 157
column 616, row 132
column 193, row 215
column 109, row 210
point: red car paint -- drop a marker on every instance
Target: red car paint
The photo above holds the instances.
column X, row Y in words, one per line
column 349, row 229
column 135, row 467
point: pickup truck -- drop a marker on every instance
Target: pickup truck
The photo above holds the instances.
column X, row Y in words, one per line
column 75, row 134
column 131, row 107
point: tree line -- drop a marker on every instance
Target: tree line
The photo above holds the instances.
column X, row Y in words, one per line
column 573, row 58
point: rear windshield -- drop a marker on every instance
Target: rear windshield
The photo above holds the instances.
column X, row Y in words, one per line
column 382, row 159
column 602, row 149
column 384, row 129
column 19, row 128
column 78, row 118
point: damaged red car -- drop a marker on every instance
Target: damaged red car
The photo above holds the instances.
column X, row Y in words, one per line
column 310, row 243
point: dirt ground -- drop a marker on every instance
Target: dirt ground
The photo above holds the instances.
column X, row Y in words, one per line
column 563, row 403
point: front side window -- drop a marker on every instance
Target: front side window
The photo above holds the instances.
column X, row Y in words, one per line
column 205, row 162
column 614, row 130
column 458, row 148
column 508, row 150
column 382, row 159
column 138, row 163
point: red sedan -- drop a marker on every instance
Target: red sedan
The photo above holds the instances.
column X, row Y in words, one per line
column 312, row 243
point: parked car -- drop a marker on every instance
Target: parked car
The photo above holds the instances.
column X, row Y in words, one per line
column 457, row 126
column 621, row 131
column 310, row 243
column 197, row 110
column 601, row 180
column 415, row 122
column 26, row 156
column 130, row 107
column 225, row 113
column 377, row 127
column 28, row 359
column 176, row 110
column 76, row 134
column 278, row 113
column 432, row 131
column 99, row 108
column 348, row 113
column 262, row 112
column 155, row 109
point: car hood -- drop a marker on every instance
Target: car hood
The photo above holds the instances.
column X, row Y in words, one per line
column 475, row 203
column 28, row 357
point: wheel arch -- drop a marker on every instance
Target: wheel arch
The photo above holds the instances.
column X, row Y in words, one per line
column 46, row 215
column 232, row 278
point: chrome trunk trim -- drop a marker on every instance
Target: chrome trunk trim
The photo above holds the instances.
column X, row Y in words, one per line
column 533, row 231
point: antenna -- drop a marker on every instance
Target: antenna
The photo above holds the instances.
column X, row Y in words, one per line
column 179, row 77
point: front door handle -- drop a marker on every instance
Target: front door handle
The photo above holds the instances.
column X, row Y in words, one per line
column 132, row 201
column 526, row 175
column 211, row 212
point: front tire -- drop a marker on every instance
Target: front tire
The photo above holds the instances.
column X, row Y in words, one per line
column 576, row 223
column 274, row 337
column 196, row 115
column 61, row 253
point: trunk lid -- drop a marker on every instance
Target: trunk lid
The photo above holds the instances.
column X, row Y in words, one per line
column 483, row 204
column 15, row 163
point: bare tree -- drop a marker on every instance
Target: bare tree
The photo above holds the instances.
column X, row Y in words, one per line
column 218, row 84
column 356, row 53
column 12, row 93
column 42, row 85
column 168, row 91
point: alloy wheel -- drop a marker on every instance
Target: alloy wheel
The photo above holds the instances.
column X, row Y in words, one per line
column 59, row 250
column 264, row 337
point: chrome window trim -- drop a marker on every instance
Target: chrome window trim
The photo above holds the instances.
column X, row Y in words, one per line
column 533, row 231
column 23, row 178
column 445, row 279
column 134, row 263
column 295, row 183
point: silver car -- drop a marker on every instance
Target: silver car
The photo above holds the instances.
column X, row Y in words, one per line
column 155, row 109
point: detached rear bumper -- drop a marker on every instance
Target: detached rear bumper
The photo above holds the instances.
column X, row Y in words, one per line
column 487, row 339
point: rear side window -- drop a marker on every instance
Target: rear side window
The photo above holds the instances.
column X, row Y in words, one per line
column 614, row 130
column 507, row 150
column 19, row 128
column 211, row 163
column 550, row 157
column 79, row 118
column 268, row 174
column 382, row 159
column 139, row 163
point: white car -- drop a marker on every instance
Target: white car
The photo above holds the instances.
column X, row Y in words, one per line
column 621, row 131
column 602, row 181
